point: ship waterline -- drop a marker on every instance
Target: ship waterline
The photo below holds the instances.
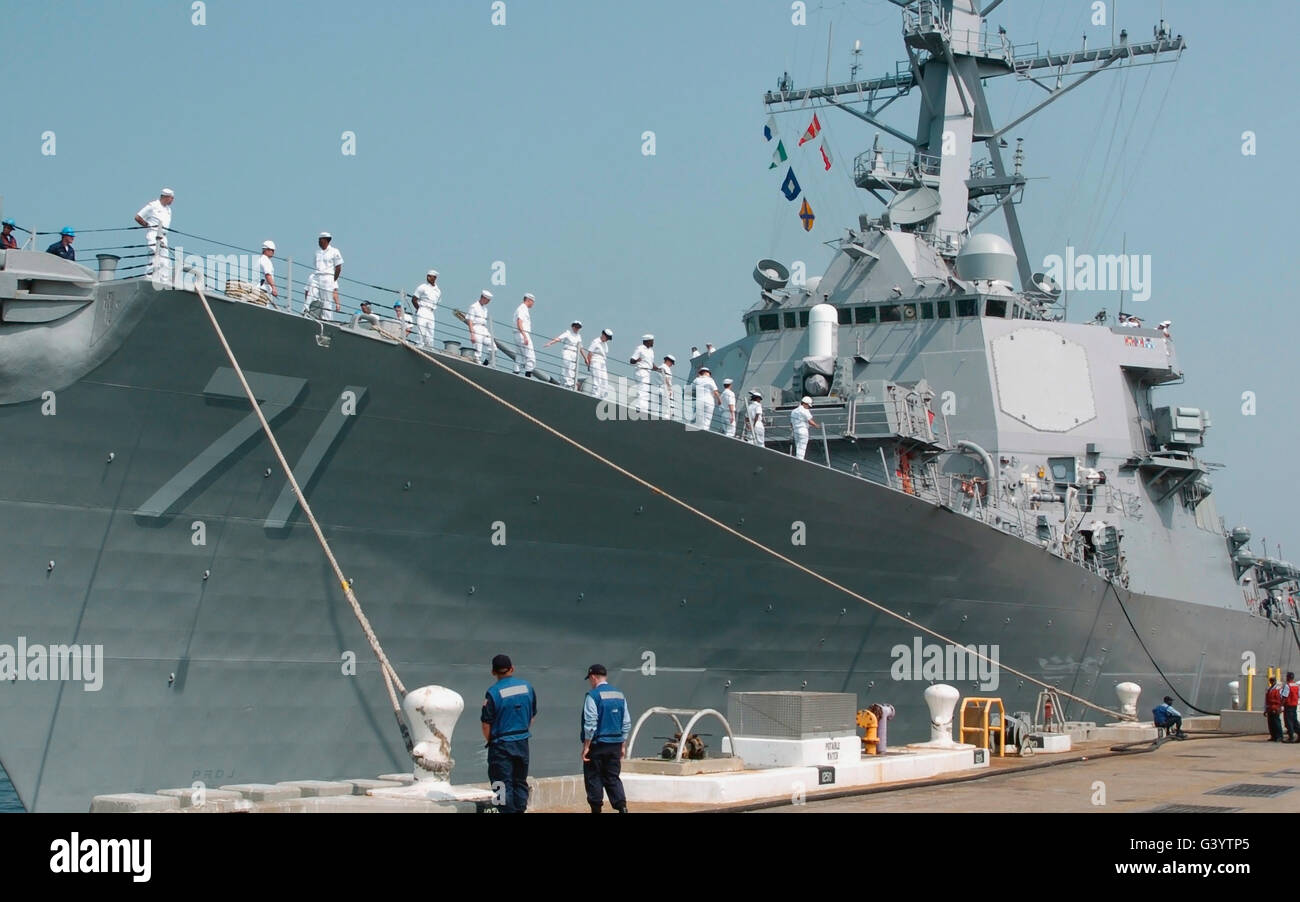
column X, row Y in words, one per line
column 468, row 531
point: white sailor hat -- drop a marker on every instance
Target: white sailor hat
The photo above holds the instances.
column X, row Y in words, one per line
column 669, row 358
column 704, row 369
column 324, row 235
column 529, row 297
column 806, row 400
column 727, row 381
column 268, row 245
column 576, row 322
column 756, row 394
column 486, row 294
column 647, row 337
column 432, row 272
column 1166, row 323
column 166, row 192
column 608, row 333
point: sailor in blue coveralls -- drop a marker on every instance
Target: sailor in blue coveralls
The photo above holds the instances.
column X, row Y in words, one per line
column 605, row 725
column 508, row 711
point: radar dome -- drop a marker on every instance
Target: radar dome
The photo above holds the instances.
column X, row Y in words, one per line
column 987, row 258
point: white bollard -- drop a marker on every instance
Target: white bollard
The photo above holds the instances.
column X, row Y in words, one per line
column 942, row 701
column 1128, row 697
column 1234, row 689
column 432, row 712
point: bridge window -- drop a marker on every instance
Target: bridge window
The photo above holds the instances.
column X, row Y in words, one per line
column 864, row 314
column 803, row 318
column 891, row 314
column 909, row 313
column 995, row 308
column 927, row 310
column 846, row 316
column 967, row 307
column 788, row 318
column 945, row 309
column 768, row 322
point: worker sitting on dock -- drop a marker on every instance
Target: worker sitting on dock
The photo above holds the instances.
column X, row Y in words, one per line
column 1167, row 716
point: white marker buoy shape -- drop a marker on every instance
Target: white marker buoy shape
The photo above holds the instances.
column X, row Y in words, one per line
column 432, row 712
column 941, row 699
column 1234, row 689
column 1128, row 697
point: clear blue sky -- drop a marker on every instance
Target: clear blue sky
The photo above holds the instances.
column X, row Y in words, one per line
column 522, row 143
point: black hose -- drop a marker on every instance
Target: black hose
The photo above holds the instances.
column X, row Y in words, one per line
column 1150, row 658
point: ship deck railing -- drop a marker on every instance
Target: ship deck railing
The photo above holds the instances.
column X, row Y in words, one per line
column 224, row 263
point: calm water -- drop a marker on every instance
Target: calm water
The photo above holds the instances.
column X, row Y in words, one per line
column 8, row 798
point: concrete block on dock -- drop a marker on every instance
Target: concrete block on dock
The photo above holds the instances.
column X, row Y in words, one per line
column 132, row 802
column 318, row 788
column 764, row 751
column 1050, row 742
column 361, row 786
column 365, row 805
column 683, row 768
column 212, row 799
column 1243, row 722
column 264, row 792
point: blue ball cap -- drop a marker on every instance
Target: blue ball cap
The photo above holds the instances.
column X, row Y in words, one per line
column 67, row 230
column 8, row 222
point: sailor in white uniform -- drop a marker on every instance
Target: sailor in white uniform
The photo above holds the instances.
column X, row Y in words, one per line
column 426, row 300
column 598, row 363
column 525, row 351
column 643, row 358
column 323, row 287
column 156, row 216
column 266, row 272
column 728, row 401
column 480, row 333
column 404, row 324
column 572, row 339
column 754, row 416
column 666, row 391
column 800, row 419
column 706, row 395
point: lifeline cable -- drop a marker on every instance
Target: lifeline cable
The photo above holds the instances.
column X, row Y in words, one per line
column 744, row 538
column 386, row 668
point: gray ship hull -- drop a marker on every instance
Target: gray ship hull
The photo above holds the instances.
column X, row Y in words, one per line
column 226, row 661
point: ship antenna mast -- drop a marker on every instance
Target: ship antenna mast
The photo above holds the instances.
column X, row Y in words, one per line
column 950, row 57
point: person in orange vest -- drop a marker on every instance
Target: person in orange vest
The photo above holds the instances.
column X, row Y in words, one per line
column 1273, row 710
column 1290, row 698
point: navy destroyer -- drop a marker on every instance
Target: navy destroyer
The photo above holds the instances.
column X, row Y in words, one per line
column 985, row 470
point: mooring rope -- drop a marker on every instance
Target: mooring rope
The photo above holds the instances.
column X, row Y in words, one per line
column 750, row 541
column 391, row 678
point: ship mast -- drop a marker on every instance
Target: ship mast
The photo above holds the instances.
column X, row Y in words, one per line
column 949, row 55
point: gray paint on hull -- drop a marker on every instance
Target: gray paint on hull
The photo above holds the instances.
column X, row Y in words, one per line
column 595, row 568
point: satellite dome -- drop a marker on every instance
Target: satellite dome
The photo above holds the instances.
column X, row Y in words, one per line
column 987, row 257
